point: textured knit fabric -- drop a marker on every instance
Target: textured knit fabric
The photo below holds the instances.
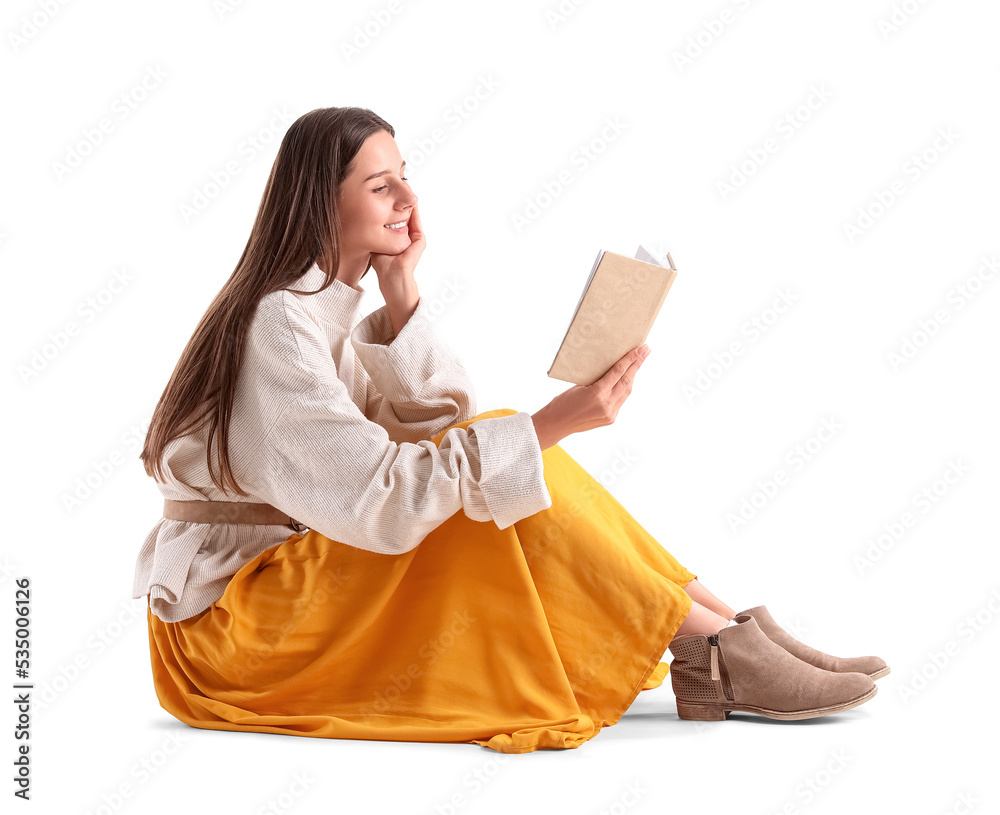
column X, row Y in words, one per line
column 332, row 423
column 530, row 637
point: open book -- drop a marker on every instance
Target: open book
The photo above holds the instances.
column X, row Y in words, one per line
column 617, row 309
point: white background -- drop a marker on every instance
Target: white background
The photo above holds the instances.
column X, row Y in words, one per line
column 547, row 84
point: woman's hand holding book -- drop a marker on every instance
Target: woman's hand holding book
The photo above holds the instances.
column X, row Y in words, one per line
column 584, row 407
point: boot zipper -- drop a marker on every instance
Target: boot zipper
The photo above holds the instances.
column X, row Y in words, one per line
column 713, row 641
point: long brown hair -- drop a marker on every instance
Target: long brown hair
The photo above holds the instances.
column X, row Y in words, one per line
column 297, row 224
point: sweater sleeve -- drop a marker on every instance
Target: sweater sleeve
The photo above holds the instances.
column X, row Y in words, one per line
column 326, row 464
column 415, row 383
column 332, row 469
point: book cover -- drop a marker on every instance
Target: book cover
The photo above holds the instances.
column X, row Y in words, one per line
column 620, row 302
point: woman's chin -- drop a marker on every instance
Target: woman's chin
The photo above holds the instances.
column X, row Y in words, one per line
column 392, row 247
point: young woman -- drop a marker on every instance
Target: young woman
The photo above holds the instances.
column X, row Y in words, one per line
column 349, row 550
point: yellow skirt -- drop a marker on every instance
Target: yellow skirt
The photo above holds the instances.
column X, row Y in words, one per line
column 531, row 637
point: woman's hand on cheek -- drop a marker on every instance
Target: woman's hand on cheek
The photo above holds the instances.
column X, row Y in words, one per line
column 388, row 267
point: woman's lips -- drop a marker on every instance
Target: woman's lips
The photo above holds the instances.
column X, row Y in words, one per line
column 400, row 230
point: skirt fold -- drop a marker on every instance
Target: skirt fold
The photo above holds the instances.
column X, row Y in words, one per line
column 533, row 637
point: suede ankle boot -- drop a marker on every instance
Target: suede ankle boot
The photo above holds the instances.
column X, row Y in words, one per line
column 874, row 667
column 739, row 668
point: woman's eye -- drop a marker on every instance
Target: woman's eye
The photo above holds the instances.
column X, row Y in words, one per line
column 386, row 186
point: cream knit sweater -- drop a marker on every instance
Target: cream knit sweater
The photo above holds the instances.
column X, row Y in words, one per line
column 331, row 423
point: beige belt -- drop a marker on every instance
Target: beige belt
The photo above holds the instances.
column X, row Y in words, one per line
column 228, row 512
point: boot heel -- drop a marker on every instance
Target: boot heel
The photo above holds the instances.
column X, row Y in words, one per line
column 701, row 713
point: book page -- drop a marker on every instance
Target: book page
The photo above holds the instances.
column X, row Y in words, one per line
column 586, row 286
column 649, row 257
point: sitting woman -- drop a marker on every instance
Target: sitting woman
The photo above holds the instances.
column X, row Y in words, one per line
column 348, row 549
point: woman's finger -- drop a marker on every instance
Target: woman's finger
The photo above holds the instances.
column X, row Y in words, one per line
column 416, row 228
column 621, row 382
column 624, row 365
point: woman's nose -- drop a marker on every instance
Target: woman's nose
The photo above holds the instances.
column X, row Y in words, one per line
column 407, row 199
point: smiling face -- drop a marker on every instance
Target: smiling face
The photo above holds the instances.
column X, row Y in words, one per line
column 373, row 196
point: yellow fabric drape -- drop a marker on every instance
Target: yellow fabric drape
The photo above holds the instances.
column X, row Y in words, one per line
column 532, row 637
